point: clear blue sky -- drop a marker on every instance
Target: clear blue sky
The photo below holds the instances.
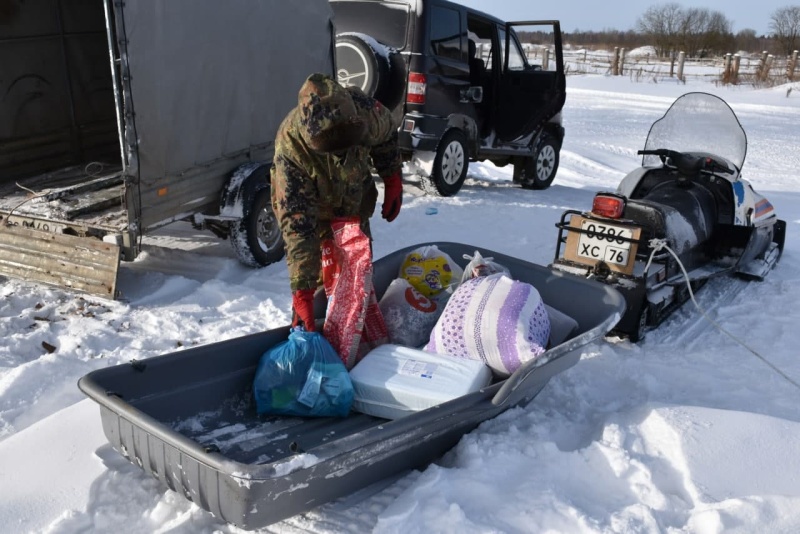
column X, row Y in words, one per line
column 622, row 14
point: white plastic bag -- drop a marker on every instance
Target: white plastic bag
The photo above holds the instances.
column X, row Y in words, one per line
column 480, row 266
column 409, row 315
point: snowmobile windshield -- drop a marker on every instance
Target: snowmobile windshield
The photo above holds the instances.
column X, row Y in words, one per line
column 698, row 122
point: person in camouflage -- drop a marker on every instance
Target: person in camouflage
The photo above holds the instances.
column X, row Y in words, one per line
column 324, row 150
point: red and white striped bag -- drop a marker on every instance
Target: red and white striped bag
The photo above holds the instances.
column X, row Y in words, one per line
column 353, row 323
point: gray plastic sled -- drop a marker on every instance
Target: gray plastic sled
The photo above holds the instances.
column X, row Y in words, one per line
column 190, row 420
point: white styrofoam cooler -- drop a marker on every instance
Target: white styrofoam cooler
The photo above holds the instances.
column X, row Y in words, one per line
column 393, row 381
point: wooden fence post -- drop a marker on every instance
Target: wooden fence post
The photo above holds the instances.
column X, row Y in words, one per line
column 766, row 66
column 621, row 61
column 726, row 70
column 681, row 61
column 615, row 62
column 791, row 66
column 737, row 60
column 761, row 64
column 546, row 59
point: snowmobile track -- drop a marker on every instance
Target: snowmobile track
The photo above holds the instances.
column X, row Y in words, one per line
column 687, row 322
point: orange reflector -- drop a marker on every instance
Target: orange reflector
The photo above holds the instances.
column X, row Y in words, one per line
column 608, row 206
column 161, row 192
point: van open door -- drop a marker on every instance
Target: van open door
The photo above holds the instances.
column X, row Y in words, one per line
column 532, row 81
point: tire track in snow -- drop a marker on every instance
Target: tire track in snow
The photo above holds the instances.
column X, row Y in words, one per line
column 581, row 171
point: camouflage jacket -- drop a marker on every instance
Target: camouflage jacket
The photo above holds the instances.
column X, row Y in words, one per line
column 310, row 188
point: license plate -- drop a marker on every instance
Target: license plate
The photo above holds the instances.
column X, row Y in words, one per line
column 601, row 241
column 604, row 242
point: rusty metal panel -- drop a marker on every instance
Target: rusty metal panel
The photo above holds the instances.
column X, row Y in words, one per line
column 83, row 264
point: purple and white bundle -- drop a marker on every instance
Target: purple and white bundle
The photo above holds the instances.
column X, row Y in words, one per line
column 494, row 319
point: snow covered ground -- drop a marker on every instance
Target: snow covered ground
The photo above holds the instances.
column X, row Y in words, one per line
column 685, row 432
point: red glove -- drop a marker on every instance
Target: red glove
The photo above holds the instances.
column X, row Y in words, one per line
column 392, row 196
column 303, row 309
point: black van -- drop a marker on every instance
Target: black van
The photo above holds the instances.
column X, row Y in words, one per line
column 464, row 85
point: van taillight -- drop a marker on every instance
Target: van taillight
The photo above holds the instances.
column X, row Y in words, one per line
column 416, row 88
column 610, row 206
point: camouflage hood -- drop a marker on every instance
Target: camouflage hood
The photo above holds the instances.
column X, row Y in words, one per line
column 328, row 115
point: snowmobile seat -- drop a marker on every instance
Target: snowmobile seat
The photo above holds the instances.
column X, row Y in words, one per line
column 723, row 198
column 683, row 213
column 723, row 204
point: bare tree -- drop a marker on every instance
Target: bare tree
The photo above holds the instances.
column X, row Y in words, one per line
column 718, row 35
column 692, row 24
column 704, row 32
column 696, row 31
column 785, row 26
column 747, row 39
column 663, row 24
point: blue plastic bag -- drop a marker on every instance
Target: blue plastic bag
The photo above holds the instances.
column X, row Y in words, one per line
column 303, row 376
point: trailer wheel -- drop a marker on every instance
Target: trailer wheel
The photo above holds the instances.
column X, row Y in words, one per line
column 256, row 238
column 538, row 172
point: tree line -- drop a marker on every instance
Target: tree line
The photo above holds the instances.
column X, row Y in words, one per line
column 699, row 32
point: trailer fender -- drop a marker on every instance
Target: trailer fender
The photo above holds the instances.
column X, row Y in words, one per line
column 231, row 199
column 245, row 201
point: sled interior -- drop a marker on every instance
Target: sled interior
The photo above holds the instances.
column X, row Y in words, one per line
column 189, row 417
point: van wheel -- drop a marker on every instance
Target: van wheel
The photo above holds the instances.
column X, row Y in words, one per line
column 256, row 238
column 449, row 166
column 539, row 171
column 372, row 67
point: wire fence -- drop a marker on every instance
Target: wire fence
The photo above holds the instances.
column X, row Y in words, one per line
column 762, row 70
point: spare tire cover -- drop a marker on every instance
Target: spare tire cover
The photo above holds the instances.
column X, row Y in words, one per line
column 376, row 69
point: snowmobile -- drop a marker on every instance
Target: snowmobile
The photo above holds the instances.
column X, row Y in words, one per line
column 683, row 217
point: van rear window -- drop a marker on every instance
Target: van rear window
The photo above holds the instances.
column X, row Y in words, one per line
column 446, row 33
column 388, row 23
